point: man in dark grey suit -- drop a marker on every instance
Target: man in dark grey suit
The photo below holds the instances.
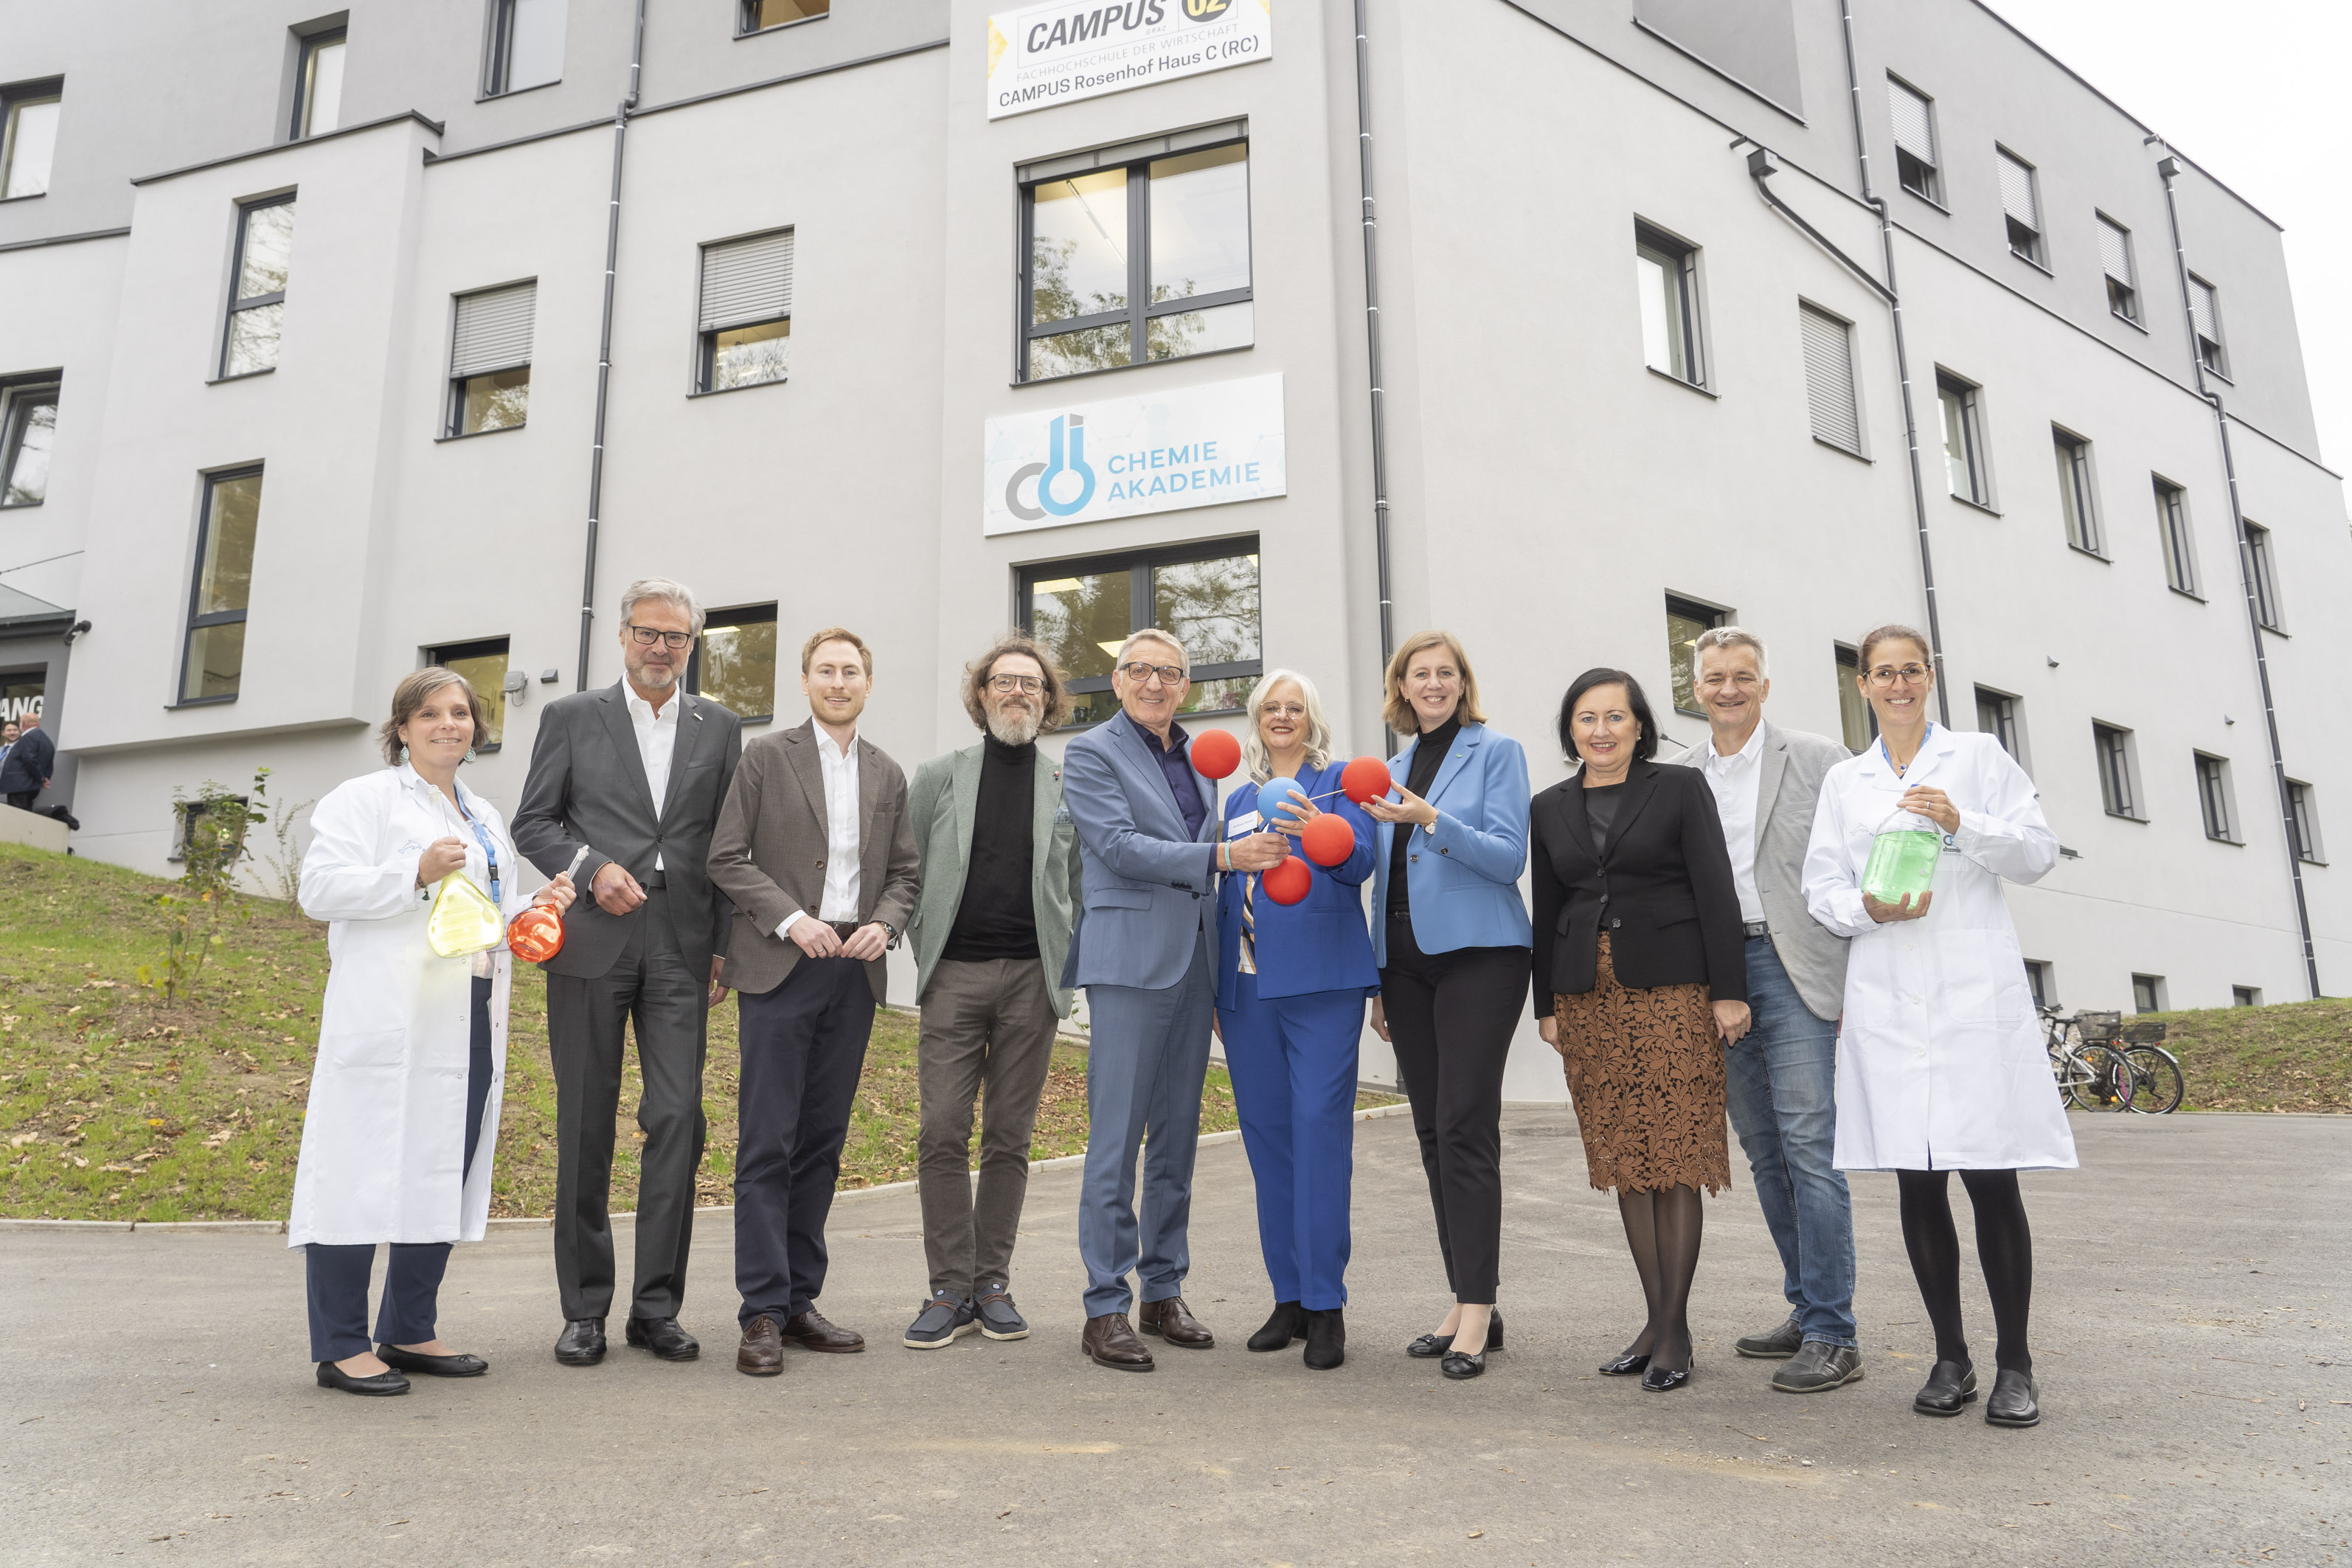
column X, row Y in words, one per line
column 630, row 780
column 31, row 762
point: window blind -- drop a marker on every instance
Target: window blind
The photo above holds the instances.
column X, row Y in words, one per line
column 2200, row 309
column 1829, row 378
column 1912, row 131
column 746, row 280
column 493, row 330
column 2114, row 251
column 2017, row 193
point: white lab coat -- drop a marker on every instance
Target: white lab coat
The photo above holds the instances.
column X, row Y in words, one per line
column 383, row 1142
column 1941, row 1064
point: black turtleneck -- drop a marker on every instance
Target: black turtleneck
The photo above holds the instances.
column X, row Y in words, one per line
column 998, row 915
column 1428, row 756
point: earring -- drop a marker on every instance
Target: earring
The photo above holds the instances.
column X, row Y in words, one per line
column 471, row 753
column 404, row 753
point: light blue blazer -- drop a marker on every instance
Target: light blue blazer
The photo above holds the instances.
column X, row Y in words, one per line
column 1150, row 888
column 1465, row 876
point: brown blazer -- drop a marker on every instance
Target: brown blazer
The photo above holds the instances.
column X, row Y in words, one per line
column 767, row 853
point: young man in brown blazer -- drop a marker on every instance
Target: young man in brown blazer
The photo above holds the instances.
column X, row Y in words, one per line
column 816, row 850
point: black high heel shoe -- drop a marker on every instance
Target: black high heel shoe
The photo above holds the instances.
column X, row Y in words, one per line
column 1461, row 1365
column 1429, row 1347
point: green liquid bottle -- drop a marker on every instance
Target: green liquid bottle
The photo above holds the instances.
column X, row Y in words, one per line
column 1902, row 858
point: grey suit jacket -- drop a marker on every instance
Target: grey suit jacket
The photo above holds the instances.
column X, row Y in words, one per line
column 945, row 795
column 1787, row 790
column 768, row 852
column 587, row 786
column 1150, row 890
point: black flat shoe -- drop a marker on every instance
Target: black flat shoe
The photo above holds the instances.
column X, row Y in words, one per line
column 1288, row 1321
column 1632, row 1363
column 1429, row 1347
column 1664, row 1380
column 431, row 1365
column 382, row 1382
column 2013, row 1401
column 1950, row 1386
column 1459, row 1367
column 1326, row 1339
column 663, row 1337
column 582, row 1344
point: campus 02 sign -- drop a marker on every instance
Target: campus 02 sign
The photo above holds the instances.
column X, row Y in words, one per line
column 1203, row 447
column 1042, row 55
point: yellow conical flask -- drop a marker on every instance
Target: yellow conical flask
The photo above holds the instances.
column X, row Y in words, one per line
column 462, row 920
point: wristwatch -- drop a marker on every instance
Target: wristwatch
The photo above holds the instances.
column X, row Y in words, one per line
column 887, row 926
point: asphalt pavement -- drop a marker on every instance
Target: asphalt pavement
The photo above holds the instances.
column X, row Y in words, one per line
column 2191, row 1335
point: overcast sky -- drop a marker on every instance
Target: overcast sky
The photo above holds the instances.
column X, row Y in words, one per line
column 2254, row 92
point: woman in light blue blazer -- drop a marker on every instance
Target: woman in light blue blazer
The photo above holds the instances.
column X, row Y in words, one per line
column 1291, row 983
column 1451, row 936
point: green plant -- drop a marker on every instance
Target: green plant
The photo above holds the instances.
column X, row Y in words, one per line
column 283, row 865
column 212, row 825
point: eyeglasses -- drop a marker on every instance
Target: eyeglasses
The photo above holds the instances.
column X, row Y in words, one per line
column 1010, row 683
column 647, row 636
column 1909, row 674
column 1144, row 674
column 1291, row 710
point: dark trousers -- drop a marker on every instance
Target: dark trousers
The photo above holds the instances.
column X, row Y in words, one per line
column 804, row 1046
column 23, row 799
column 988, row 1034
column 651, row 986
column 1451, row 1017
column 338, row 1276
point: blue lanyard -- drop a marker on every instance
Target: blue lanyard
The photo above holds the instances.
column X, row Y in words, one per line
column 489, row 851
column 1928, row 735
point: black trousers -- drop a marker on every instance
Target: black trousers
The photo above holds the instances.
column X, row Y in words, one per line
column 23, row 799
column 337, row 1276
column 652, row 987
column 803, row 1047
column 1451, row 1017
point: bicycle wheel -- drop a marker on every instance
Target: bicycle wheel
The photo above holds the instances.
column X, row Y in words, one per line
column 2104, row 1082
column 2160, row 1084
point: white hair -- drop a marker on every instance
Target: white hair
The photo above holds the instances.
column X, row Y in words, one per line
column 668, row 589
column 1153, row 634
column 1733, row 637
column 1319, row 729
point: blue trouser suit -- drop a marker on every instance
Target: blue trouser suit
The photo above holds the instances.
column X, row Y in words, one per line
column 1293, row 1062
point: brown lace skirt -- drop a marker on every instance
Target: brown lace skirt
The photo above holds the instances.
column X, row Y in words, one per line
column 1645, row 1070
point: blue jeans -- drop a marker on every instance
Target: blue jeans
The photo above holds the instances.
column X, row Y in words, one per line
column 1781, row 1086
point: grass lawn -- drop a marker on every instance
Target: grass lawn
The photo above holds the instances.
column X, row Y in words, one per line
column 2296, row 1056
column 115, row 1106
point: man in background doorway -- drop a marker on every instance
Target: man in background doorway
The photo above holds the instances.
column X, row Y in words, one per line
column 31, row 762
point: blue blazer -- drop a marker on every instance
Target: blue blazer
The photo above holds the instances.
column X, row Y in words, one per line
column 1465, row 876
column 1148, row 880
column 1319, row 943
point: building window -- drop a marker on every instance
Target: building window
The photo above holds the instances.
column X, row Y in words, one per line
column 257, row 306
column 319, row 85
column 214, row 664
column 1996, row 716
column 2074, row 495
column 1964, row 464
column 28, row 136
column 2214, row 799
column 1137, row 255
column 2019, row 203
column 1857, row 724
column 2043, row 981
column 1685, row 620
column 29, row 425
column 483, row 663
column 758, row 16
column 1206, row 595
column 2205, row 312
column 2264, row 573
column 1666, row 272
column 746, row 311
column 1830, row 396
column 2115, row 260
column 2245, row 996
column 734, row 662
column 1915, row 141
column 490, row 358
column 2302, row 818
column 2180, row 550
column 525, row 45
column 2147, row 993
column 2118, row 774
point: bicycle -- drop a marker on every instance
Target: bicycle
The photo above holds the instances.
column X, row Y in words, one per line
column 2161, row 1085
column 2092, row 1074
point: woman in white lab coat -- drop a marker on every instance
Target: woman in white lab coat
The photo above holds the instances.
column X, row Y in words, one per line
column 411, row 1046
column 1940, row 1064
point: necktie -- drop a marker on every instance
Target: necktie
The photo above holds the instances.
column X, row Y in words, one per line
column 1249, row 924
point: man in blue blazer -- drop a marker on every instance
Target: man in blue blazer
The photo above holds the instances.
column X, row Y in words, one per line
column 1142, row 952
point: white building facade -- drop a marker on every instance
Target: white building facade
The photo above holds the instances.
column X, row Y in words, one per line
column 310, row 374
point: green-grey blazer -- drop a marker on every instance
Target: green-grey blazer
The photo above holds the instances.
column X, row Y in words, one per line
column 941, row 802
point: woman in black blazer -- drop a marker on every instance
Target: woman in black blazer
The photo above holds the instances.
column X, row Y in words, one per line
column 1641, row 980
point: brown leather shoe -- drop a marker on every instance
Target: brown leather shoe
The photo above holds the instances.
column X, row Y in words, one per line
column 1109, row 1341
column 1174, row 1322
column 811, row 1331
column 762, row 1354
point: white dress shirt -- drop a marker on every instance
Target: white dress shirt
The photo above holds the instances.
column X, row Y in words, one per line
column 1736, row 780
column 656, row 744
column 839, row 765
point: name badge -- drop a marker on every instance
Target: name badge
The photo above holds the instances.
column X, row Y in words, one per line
column 1246, row 822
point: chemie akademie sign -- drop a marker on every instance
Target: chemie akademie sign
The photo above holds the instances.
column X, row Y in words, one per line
column 1205, row 446
column 1043, row 54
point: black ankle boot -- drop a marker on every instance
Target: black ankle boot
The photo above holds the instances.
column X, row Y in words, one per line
column 1289, row 1321
column 1326, row 1339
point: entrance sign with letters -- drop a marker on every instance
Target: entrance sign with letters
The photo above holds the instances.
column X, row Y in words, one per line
column 1043, row 54
column 1205, row 446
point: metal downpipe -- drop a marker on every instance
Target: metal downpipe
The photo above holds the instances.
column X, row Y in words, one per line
column 1372, row 354
column 604, row 347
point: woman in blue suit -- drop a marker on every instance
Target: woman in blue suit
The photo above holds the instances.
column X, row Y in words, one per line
column 1452, row 940
column 1291, row 983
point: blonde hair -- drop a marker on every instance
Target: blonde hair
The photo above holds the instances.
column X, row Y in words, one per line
column 836, row 634
column 1319, row 729
column 1398, row 709
column 1055, row 709
column 410, row 694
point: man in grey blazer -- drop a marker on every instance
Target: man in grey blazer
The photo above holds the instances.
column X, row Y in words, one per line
column 1143, row 950
column 630, row 779
column 1780, row 1080
column 991, row 934
column 815, row 848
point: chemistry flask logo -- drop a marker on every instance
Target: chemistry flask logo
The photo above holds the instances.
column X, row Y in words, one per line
column 1066, row 480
